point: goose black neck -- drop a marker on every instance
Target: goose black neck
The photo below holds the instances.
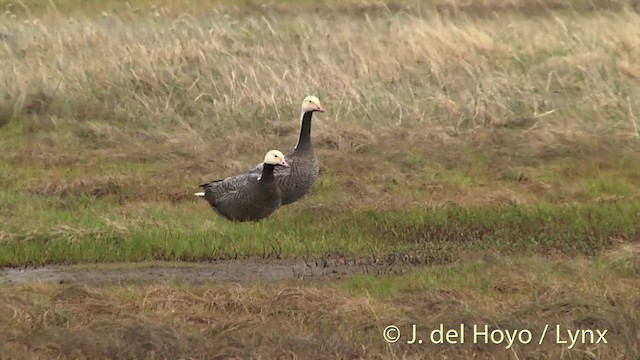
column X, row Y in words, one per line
column 267, row 173
column 304, row 141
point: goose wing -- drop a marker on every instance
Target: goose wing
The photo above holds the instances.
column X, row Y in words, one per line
column 229, row 187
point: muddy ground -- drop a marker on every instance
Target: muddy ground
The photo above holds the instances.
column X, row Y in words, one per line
column 236, row 271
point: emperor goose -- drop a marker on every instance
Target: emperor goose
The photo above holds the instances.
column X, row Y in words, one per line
column 246, row 197
column 296, row 181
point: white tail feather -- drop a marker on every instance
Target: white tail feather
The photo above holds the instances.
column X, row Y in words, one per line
column 201, row 194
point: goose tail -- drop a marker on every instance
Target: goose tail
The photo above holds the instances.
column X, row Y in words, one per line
column 201, row 193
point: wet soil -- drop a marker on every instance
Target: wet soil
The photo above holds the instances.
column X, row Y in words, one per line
column 235, row 271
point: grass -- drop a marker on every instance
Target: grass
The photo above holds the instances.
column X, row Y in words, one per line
column 490, row 148
column 432, row 236
column 319, row 320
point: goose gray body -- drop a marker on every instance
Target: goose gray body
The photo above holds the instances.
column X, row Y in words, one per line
column 245, row 197
column 298, row 179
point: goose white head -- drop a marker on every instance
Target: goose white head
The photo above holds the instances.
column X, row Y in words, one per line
column 275, row 157
column 311, row 103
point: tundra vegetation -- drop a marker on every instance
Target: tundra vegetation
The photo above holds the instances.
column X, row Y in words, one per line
column 479, row 166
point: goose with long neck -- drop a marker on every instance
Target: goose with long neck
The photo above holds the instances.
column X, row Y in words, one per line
column 247, row 197
column 309, row 106
column 296, row 181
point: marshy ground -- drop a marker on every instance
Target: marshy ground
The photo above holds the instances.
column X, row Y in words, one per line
column 479, row 166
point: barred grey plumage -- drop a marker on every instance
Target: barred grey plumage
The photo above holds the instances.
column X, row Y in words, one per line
column 246, row 197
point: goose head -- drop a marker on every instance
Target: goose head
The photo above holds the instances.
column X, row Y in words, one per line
column 311, row 104
column 275, row 157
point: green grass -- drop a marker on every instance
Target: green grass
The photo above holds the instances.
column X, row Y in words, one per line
column 429, row 236
column 483, row 276
column 444, row 134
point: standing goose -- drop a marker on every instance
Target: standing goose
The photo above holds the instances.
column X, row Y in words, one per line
column 296, row 181
column 246, row 197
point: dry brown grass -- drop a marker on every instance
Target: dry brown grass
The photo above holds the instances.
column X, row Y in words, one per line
column 174, row 90
column 26, row 8
column 177, row 67
column 318, row 320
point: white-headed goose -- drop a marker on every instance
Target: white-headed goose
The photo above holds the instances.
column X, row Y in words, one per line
column 247, row 197
column 296, row 180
